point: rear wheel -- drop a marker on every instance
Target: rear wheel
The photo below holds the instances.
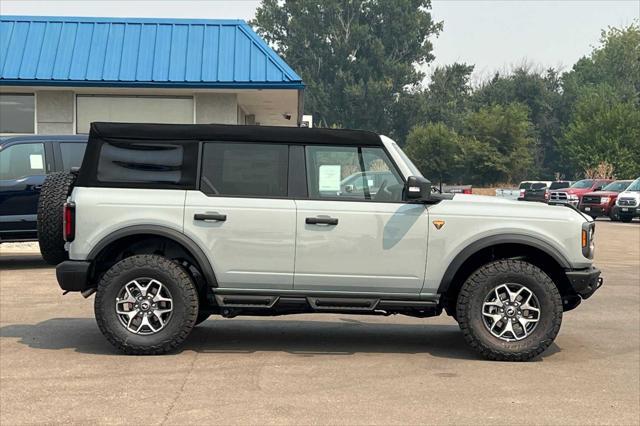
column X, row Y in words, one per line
column 509, row 310
column 55, row 190
column 146, row 304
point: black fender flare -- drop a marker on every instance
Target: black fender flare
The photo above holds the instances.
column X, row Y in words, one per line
column 494, row 240
column 161, row 231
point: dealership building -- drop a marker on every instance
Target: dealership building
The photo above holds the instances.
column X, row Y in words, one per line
column 58, row 74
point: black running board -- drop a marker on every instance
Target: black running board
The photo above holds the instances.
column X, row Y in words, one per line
column 230, row 305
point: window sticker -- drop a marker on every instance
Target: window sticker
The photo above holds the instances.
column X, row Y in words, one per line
column 35, row 162
column 370, row 182
column 329, row 178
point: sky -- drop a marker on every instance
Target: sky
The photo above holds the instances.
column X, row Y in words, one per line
column 494, row 35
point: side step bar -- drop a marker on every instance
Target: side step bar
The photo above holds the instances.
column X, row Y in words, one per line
column 230, row 305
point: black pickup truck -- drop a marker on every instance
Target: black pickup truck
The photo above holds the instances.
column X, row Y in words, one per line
column 24, row 163
column 539, row 191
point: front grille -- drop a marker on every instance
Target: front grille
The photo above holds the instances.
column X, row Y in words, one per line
column 631, row 202
column 558, row 196
column 590, row 200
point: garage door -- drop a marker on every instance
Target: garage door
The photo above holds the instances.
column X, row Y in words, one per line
column 132, row 109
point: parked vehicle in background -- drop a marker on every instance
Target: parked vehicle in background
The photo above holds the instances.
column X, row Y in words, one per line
column 539, row 191
column 601, row 203
column 573, row 194
column 24, row 163
column 628, row 202
column 457, row 189
column 169, row 224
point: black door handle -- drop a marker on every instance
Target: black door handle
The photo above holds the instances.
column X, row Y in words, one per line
column 321, row 221
column 210, row 216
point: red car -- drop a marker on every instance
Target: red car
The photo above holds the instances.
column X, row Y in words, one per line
column 573, row 194
column 600, row 203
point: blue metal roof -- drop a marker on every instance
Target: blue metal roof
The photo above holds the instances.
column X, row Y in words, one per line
column 83, row 51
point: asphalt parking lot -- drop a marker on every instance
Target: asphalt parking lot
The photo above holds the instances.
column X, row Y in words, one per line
column 55, row 366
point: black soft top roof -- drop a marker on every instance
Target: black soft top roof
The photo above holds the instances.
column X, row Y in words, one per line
column 229, row 132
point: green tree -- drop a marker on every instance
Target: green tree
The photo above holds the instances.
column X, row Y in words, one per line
column 498, row 147
column 357, row 57
column 448, row 94
column 435, row 150
column 541, row 93
column 604, row 128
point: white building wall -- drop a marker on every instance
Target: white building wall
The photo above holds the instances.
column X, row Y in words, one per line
column 55, row 112
column 217, row 108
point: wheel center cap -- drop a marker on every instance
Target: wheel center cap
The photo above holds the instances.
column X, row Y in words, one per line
column 145, row 305
column 511, row 311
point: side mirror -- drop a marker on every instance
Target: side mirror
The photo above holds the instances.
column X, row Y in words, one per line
column 348, row 188
column 417, row 189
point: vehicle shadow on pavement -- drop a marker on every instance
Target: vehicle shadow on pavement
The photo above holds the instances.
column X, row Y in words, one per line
column 17, row 261
column 304, row 338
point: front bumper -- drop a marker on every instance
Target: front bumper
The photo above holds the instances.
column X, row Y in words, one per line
column 594, row 210
column 585, row 282
column 627, row 211
column 73, row 275
column 574, row 203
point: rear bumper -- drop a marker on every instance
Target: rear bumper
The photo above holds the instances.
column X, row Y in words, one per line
column 585, row 282
column 73, row 275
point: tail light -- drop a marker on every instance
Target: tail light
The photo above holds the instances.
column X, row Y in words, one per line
column 546, row 195
column 521, row 193
column 69, row 221
column 467, row 191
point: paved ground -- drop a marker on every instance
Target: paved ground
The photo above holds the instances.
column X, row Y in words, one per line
column 55, row 366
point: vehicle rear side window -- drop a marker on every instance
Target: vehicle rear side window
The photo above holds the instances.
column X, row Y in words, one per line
column 244, row 169
column 21, row 160
column 141, row 162
column 72, row 154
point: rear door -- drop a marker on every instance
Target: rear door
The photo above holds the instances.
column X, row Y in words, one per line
column 242, row 215
column 364, row 239
column 23, row 167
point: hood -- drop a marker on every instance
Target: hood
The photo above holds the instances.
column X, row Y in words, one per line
column 496, row 207
column 632, row 194
column 602, row 194
column 573, row 190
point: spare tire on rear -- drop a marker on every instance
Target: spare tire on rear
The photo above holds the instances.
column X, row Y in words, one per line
column 55, row 190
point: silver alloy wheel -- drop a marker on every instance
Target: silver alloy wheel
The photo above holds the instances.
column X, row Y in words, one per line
column 144, row 306
column 511, row 312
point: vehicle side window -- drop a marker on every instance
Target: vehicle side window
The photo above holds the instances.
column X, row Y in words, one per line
column 244, row 169
column 72, row 154
column 352, row 173
column 21, row 160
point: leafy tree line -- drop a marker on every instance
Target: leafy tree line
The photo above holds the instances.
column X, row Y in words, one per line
column 359, row 60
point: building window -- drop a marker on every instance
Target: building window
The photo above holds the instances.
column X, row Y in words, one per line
column 17, row 113
column 132, row 109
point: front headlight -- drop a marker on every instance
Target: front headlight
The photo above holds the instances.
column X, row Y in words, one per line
column 572, row 197
column 604, row 200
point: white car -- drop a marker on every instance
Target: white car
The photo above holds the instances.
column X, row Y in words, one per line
column 169, row 224
column 628, row 202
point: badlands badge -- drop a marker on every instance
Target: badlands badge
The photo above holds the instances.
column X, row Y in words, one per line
column 438, row 223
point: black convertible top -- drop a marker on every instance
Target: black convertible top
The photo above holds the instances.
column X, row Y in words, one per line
column 230, row 132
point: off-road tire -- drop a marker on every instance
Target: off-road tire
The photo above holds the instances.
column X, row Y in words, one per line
column 481, row 282
column 53, row 194
column 185, row 304
column 613, row 216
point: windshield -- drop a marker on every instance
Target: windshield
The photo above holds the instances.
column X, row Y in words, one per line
column 635, row 186
column 560, row 184
column 581, row 184
column 412, row 167
column 617, row 186
column 525, row 185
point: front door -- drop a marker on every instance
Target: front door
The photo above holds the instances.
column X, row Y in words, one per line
column 241, row 215
column 355, row 233
column 22, row 173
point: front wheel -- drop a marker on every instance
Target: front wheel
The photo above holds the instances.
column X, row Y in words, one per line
column 509, row 310
column 146, row 304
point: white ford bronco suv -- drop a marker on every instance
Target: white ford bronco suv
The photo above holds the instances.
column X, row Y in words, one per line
column 169, row 224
